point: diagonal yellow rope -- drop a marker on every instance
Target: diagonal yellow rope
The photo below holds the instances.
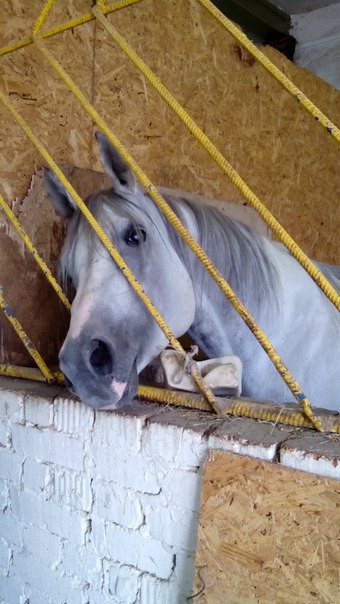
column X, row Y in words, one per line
column 42, row 17
column 108, row 245
column 220, row 160
column 32, row 249
column 66, row 26
column 173, row 219
column 306, row 103
column 31, row 349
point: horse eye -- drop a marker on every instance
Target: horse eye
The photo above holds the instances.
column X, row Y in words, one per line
column 135, row 236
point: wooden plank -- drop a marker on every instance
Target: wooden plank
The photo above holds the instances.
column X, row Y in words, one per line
column 266, row 534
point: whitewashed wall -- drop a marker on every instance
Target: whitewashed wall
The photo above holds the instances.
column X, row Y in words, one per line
column 101, row 508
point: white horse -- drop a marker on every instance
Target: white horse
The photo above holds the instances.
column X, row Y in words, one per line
column 112, row 336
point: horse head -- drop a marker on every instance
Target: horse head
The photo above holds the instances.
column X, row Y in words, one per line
column 112, row 336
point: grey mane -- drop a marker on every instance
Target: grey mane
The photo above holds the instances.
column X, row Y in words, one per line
column 236, row 250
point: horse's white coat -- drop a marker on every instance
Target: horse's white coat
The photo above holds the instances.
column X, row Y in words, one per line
column 80, row 315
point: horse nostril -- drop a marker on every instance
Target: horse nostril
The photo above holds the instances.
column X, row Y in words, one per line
column 100, row 357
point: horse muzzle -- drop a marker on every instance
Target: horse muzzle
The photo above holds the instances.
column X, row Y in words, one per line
column 93, row 372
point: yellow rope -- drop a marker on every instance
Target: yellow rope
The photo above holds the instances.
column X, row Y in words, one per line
column 29, row 373
column 107, row 243
column 42, row 17
column 220, row 160
column 31, row 349
column 305, row 102
column 198, row 251
column 66, row 26
column 13, row 220
column 243, row 407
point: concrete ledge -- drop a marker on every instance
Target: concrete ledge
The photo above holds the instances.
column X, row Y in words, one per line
column 293, row 447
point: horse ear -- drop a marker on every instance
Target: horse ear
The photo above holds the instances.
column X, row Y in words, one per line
column 122, row 177
column 59, row 196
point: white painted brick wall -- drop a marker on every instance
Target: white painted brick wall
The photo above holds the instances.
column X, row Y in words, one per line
column 102, row 508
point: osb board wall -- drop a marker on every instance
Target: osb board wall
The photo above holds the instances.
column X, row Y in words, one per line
column 266, row 534
column 28, row 293
column 288, row 159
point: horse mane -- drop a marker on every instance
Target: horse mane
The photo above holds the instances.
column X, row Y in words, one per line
column 236, row 250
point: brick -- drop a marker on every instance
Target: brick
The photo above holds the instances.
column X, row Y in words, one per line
column 42, row 544
column 35, row 596
column 242, row 448
column 71, row 488
column 33, row 572
column 319, row 454
column 170, row 525
column 124, row 583
column 132, row 549
column 122, row 431
column 5, row 555
column 11, row 591
column 97, row 597
column 64, row 522
column 98, row 536
column 72, row 417
column 133, row 471
column 308, row 462
column 5, row 433
column 182, row 488
column 83, row 562
column 61, row 485
column 10, row 465
column 34, row 475
column 38, row 412
column 184, row 448
column 246, row 437
column 12, row 405
column 10, row 528
column 48, row 445
column 117, row 504
column 4, row 495
column 154, row 591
